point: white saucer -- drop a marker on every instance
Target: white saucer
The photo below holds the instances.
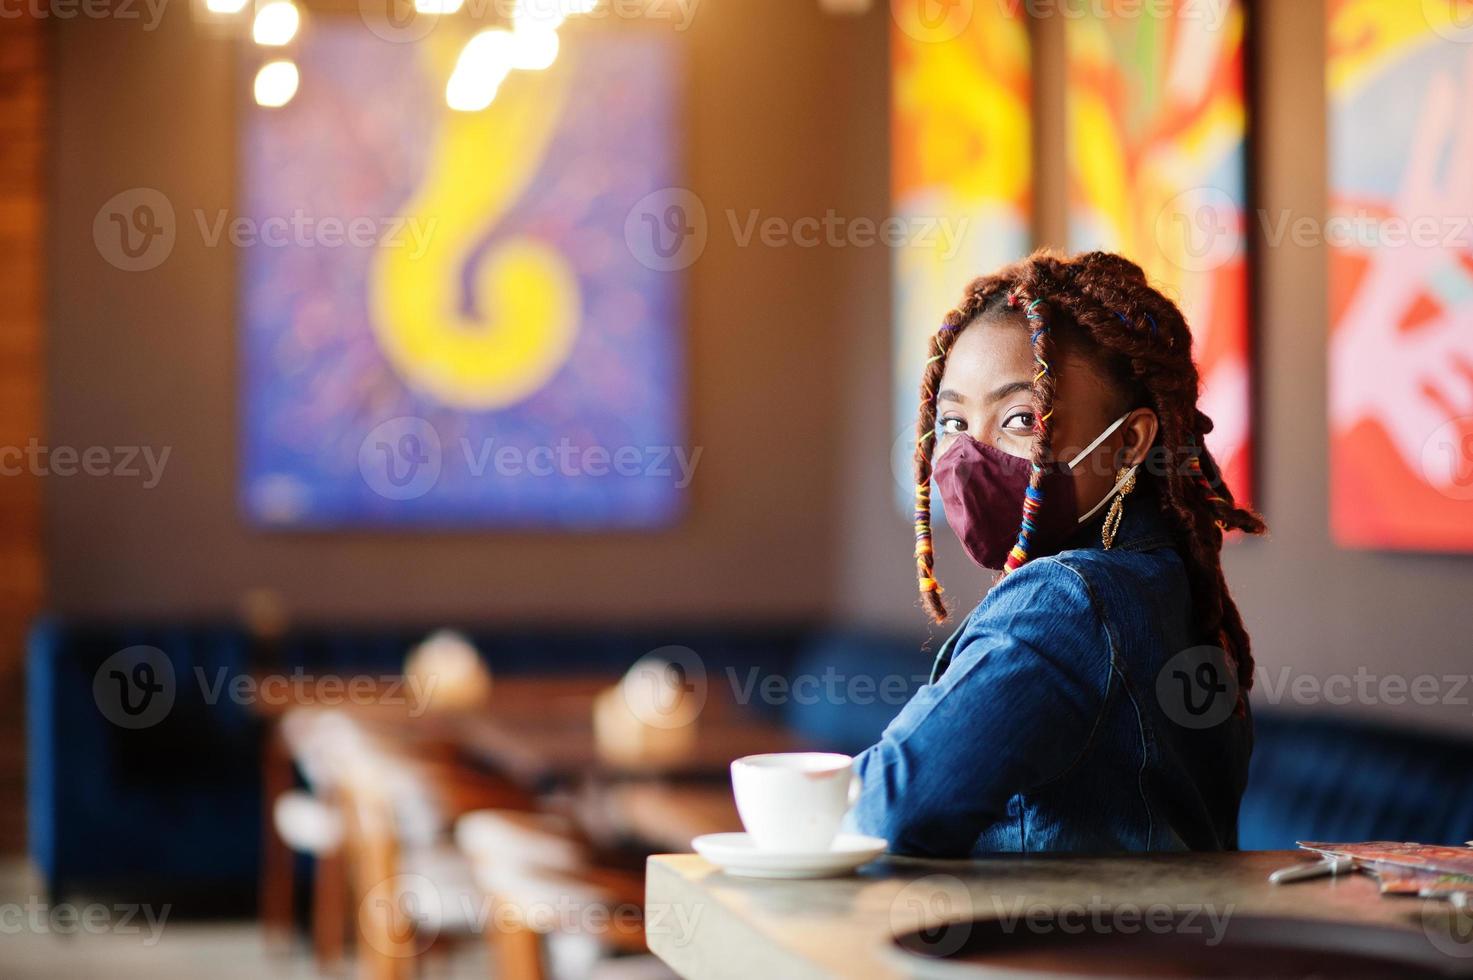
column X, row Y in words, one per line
column 737, row 855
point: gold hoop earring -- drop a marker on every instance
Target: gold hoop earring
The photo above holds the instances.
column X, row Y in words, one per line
column 1116, row 511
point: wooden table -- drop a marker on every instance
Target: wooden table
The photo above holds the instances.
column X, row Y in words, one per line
column 705, row 924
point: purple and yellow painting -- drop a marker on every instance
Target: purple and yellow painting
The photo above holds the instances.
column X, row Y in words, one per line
column 442, row 321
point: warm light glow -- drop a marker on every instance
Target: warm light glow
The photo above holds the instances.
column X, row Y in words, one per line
column 225, row 6
column 533, row 49
column 479, row 71
column 276, row 23
column 438, row 6
column 548, row 14
column 276, row 83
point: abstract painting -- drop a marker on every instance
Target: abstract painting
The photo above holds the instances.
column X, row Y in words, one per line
column 444, row 319
column 961, row 159
column 1157, row 126
column 1401, row 275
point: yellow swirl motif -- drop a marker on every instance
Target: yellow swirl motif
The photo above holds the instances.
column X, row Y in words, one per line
column 519, row 323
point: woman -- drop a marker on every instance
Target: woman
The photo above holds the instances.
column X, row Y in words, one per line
column 1096, row 698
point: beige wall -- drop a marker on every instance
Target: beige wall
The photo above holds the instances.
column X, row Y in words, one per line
column 793, row 513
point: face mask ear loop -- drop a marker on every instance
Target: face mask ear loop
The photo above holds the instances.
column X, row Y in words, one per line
column 1098, row 439
column 1124, row 477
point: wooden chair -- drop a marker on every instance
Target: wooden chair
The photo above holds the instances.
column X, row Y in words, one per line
column 530, row 865
column 410, row 788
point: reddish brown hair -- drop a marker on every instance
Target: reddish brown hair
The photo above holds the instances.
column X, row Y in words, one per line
column 1101, row 305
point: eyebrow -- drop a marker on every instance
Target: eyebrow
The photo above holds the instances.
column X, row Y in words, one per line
column 1012, row 387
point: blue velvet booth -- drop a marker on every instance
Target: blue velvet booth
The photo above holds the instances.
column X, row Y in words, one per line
column 177, row 803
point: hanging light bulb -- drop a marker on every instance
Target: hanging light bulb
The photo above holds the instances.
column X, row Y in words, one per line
column 479, row 71
column 276, row 23
column 276, row 84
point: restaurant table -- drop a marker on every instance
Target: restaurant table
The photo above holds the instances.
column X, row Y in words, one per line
column 706, row 924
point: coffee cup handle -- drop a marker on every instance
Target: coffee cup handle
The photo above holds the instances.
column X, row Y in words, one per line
column 855, row 785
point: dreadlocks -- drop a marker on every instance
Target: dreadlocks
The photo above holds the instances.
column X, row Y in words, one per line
column 1103, row 302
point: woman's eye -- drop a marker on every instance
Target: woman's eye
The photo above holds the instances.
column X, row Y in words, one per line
column 1019, row 422
column 950, row 426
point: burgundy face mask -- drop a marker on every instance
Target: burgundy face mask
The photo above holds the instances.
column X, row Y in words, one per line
column 983, row 489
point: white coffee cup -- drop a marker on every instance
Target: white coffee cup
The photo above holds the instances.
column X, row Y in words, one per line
column 794, row 802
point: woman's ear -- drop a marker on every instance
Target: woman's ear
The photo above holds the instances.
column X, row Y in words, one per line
column 1140, row 432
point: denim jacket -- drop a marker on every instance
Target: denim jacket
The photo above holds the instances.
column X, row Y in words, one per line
column 1041, row 728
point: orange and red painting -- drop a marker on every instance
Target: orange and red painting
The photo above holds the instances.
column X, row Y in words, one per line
column 961, row 144
column 1157, row 127
column 1401, row 275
